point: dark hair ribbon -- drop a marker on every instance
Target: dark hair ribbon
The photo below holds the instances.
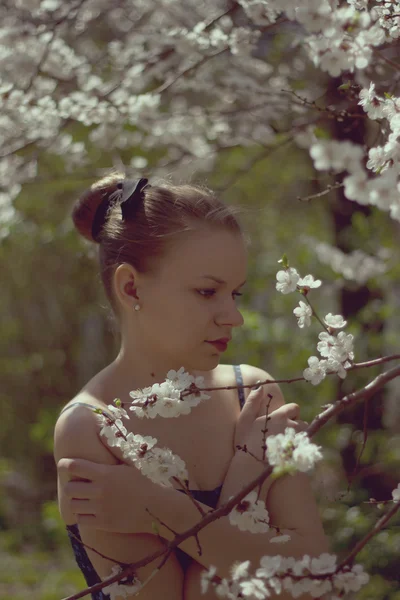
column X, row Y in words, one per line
column 127, row 195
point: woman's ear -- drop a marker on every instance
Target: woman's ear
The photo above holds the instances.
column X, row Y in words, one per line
column 125, row 285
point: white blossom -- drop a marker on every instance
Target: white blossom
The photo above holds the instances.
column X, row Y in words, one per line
column 293, row 450
column 309, row 282
column 250, row 514
column 303, row 313
column 316, row 371
column 335, row 321
column 356, row 187
column 350, row 581
column 287, row 280
column 371, row 102
column 205, row 576
column 354, row 266
column 254, row 588
column 336, row 156
column 396, row 494
column 280, row 539
column 339, row 348
column 118, row 589
column 164, row 399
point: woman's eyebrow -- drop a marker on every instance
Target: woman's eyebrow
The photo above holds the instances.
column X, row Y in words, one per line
column 220, row 280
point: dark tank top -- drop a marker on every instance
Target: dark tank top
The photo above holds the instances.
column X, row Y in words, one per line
column 209, row 497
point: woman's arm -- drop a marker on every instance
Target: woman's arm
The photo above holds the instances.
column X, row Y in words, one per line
column 76, row 435
column 116, row 497
column 289, row 500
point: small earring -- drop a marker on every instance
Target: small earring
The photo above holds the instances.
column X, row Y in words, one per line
column 137, row 307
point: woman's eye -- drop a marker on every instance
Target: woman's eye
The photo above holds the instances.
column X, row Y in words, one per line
column 210, row 293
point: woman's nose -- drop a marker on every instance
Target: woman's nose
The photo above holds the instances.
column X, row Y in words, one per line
column 234, row 318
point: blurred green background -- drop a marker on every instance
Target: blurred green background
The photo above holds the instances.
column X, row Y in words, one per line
column 56, row 334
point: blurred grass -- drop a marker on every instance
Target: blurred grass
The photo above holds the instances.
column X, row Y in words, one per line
column 38, row 575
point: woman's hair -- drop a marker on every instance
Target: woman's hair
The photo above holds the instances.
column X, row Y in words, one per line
column 166, row 214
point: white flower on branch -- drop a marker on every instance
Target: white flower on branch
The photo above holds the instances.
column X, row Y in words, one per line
column 325, row 563
column 206, row 576
column 339, row 348
column 356, row 187
column 371, row 102
column 164, row 398
column 396, row 494
column 118, row 411
column 254, row 588
column 316, row 370
column 383, row 190
column 303, row 313
column 355, row 266
column 239, row 570
column 119, row 589
column 250, row 514
column 287, row 280
column 112, row 431
column 335, row 321
column 335, row 366
column 280, row 539
column 351, row 580
column 292, row 450
column 160, row 465
column 336, row 155
column 309, row 282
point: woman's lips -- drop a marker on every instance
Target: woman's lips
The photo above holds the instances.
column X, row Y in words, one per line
column 221, row 346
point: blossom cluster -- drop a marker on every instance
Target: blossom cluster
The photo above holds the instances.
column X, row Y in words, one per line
column 340, row 38
column 291, row 450
column 382, row 190
column 316, row 576
column 54, row 75
column 336, row 350
column 355, row 266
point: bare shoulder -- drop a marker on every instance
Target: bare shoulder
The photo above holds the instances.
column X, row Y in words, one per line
column 252, row 374
column 77, row 432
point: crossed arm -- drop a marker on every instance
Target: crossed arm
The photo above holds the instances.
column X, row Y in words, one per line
column 291, row 502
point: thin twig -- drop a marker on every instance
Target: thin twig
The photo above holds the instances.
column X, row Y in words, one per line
column 328, row 189
column 387, row 60
column 165, row 86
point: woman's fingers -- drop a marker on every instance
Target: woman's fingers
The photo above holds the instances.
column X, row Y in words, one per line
column 82, row 507
column 298, row 424
column 81, row 490
column 87, row 521
column 247, row 415
column 78, row 467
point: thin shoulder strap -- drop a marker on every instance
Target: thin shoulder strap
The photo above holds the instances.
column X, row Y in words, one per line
column 239, row 381
column 84, row 404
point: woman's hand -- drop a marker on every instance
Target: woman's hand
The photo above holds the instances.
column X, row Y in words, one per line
column 103, row 496
column 247, row 416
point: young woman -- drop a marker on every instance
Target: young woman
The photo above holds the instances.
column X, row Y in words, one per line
column 172, row 262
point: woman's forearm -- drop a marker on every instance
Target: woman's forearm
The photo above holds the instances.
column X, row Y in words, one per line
column 289, row 500
column 242, row 469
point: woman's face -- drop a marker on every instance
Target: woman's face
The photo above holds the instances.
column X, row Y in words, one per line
column 181, row 308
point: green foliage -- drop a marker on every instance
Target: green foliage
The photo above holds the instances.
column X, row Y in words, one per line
column 322, row 134
column 41, row 432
